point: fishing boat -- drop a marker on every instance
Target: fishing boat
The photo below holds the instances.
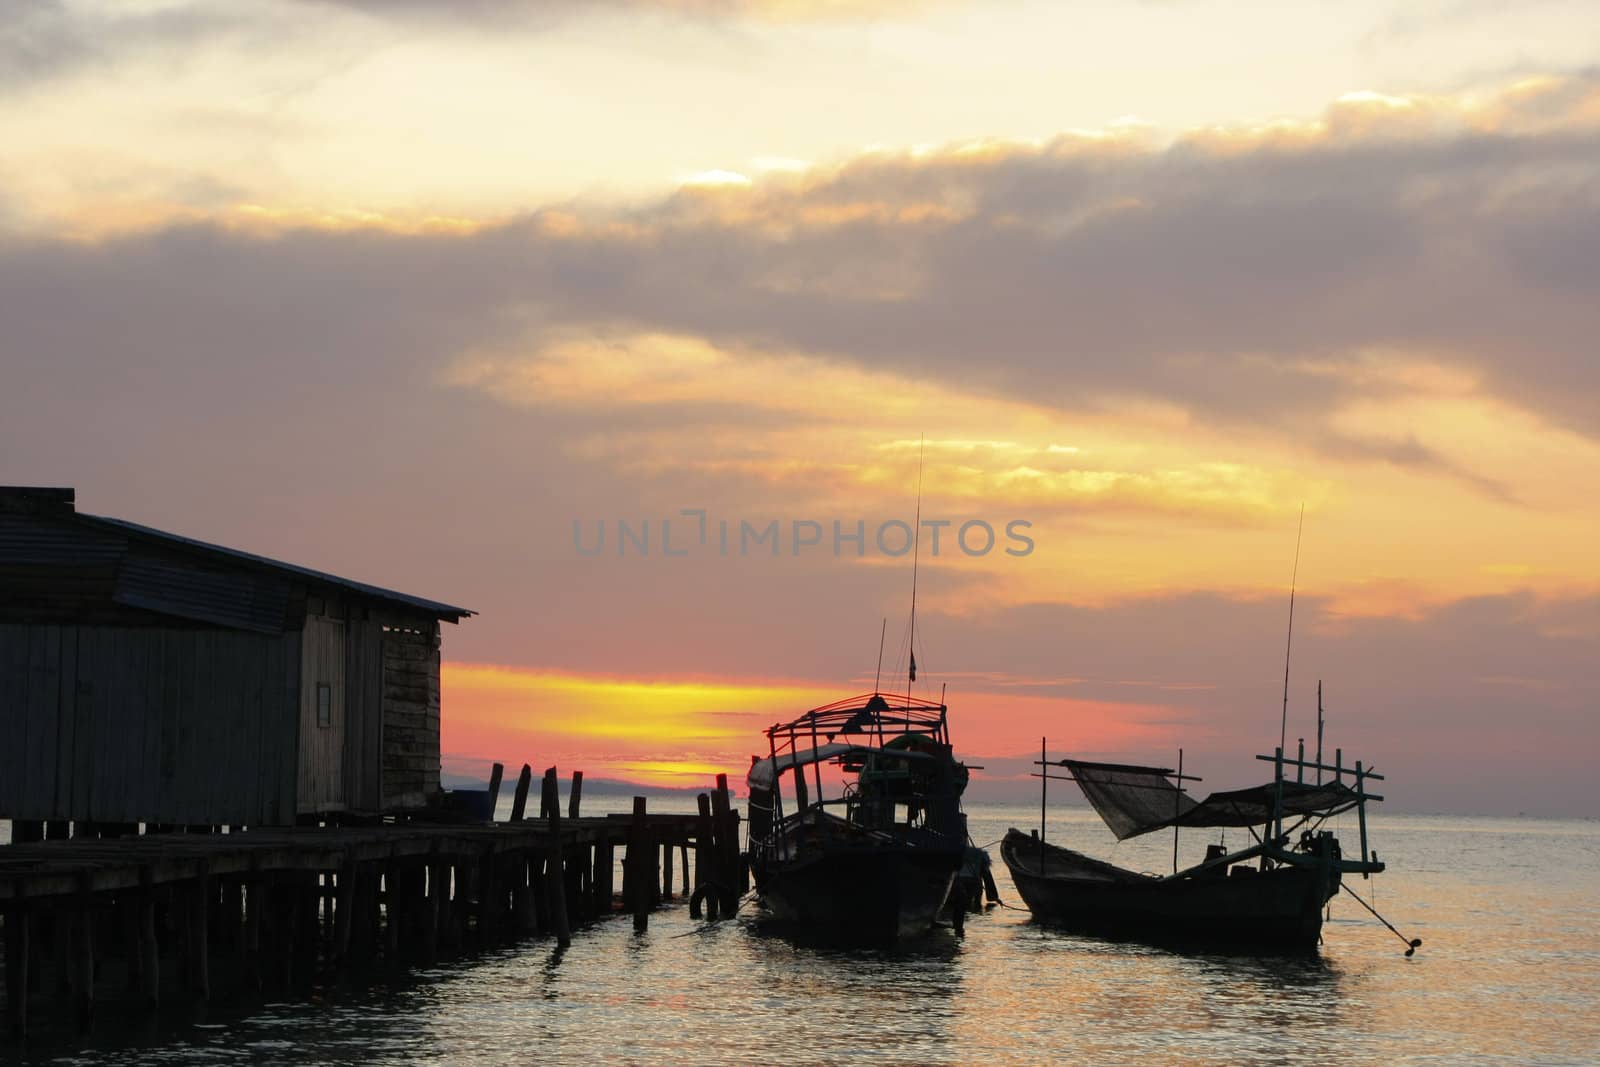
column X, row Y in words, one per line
column 875, row 860
column 1268, row 895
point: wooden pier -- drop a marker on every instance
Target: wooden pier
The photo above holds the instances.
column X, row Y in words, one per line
column 183, row 914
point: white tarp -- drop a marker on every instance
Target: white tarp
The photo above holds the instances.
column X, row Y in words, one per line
column 763, row 772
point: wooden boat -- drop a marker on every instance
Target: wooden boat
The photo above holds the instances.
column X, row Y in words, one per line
column 1270, row 895
column 874, row 863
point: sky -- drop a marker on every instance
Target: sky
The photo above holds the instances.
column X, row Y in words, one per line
column 552, row 309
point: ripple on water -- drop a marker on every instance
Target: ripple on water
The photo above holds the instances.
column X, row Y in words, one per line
column 1510, row 973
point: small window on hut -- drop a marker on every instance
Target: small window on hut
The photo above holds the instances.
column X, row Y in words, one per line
column 324, row 704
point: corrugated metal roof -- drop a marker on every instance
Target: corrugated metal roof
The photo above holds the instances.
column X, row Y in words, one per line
column 242, row 600
column 188, row 544
column 55, row 541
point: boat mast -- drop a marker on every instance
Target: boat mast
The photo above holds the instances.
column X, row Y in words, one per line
column 1044, row 786
column 1283, row 723
column 878, row 677
column 1177, row 810
column 916, row 546
column 1288, row 645
column 882, row 632
column 1319, row 731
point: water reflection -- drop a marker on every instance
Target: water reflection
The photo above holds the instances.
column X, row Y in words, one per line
column 1510, row 974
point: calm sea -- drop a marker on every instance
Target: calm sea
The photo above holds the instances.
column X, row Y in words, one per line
column 1508, row 909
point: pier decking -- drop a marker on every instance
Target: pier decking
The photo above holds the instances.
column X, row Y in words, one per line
column 172, row 914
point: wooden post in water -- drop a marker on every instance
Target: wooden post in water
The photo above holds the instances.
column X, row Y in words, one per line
column 741, row 866
column 526, row 915
column 578, row 869
column 286, row 892
column 555, row 874
column 638, row 842
column 344, row 909
column 308, row 929
column 727, row 844
column 704, row 851
column 128, row 909
column 495, row 774
column 146, row 947
column 19, row 930
column 396, row 906
column 434, row 908
column 81, row 931
column 231, row 917
column 604, row 887
column 488, row 897
column 462, row 875
column 666, row 868
column 589, row 859
column 683, row 856
column 364, row 922
column 576, row 796
column 255, row 906
column 199, row 923
column 519, row 802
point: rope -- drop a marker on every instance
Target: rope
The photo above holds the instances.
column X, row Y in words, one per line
column 1412, row 943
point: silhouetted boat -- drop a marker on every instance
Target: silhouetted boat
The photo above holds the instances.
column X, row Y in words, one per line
column 1270, row 895
column 876, row 862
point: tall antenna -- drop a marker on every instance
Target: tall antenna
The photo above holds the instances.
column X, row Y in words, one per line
column 882, row 632
column 916, row 546
column 1288, row 645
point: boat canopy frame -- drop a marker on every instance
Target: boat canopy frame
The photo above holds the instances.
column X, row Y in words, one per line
column 878, row 718
column 877, row 714
column 1310, row 804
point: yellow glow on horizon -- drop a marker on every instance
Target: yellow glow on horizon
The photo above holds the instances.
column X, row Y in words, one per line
column 611, row 708
column 676, row 730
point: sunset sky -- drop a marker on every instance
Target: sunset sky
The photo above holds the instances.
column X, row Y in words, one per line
column 417, row 291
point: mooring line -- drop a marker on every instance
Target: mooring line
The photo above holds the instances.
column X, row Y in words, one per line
column 1412, row 943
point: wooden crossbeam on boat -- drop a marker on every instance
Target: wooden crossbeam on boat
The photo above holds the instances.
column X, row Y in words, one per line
column 1279, row 903
column 1129, row 785
column 1313, row 765
column 1218, row 861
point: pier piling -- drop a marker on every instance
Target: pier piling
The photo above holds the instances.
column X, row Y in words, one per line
column 555, row 878
column 290, row 909
column 637, row 877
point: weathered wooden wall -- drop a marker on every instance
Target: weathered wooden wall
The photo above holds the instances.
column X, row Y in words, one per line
column 148, row 724
column 363, row 701
column 322, row 755
column 410, row 715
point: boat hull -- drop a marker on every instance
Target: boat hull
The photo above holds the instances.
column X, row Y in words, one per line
column 1276, row 910
column 876, row 894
